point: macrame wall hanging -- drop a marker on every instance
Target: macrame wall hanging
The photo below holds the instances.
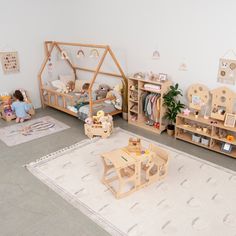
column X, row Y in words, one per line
column 10, row 62
column 227, row 69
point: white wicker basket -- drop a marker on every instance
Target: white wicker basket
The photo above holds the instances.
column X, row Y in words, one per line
column 204, row 141
column 196, row 138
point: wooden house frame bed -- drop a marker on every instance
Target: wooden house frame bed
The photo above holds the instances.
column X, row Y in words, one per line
column 51, row 93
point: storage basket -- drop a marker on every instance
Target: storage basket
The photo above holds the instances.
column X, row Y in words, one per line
column 204, row 141
column 196, row 138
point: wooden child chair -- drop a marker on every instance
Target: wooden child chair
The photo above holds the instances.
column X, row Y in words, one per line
column 156, row 167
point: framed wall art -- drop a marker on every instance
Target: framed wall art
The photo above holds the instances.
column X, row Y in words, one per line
column 162, row 77
column 226, row 147
column 227, row 69
column 10, row 62
column 230, row 120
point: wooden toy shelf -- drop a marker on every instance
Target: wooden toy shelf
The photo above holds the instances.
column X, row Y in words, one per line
column 190, row 129
column 136, row 115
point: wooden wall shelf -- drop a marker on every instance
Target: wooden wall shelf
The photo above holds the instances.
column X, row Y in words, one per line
column 187, row 126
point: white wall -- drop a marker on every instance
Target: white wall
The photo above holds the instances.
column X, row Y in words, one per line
column 199, row 32
column 24, row 26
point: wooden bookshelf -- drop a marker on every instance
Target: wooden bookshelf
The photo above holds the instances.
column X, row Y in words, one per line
column 187, row 126
column 141, row 120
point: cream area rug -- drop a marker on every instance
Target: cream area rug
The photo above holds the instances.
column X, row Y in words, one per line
column 196, row 198
column 29, row 130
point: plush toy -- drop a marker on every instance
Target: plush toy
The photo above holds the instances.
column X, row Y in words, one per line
column 107, row 118
column 118, row 104
column 70, row 86
column 100, row 113
column 102, row 91
column 8, row 111
column 116, row 92
column 118, row 88
column 222, row 133
column 154, row 77
column 110, row 95
column 106, row 121
column 96, row 119
column 230, row 138
column 139, row 75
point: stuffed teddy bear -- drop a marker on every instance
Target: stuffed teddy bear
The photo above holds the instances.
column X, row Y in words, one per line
column 117, row 94
column 102, row 91
column 70, row 86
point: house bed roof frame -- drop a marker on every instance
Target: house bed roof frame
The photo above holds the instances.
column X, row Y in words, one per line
column 49, row 47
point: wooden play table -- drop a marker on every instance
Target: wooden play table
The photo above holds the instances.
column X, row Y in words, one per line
column 126, row 172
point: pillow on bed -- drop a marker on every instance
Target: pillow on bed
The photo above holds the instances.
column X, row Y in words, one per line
column 78, row 85
column 59, row 86
column 66, row 78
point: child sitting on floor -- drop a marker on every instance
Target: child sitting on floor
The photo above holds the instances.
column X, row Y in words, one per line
column 20, row 107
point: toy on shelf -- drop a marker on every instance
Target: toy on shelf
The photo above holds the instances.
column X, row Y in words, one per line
column 186, row 112
column 134, row 145
column 230, row 138
column 222, row 102
column 5, row 97
column 134, row 117
column 134, row 92
column 132, row 170
column 99, row 125
column 221, row 133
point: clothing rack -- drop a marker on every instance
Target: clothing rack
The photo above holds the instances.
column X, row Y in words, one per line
column 138, row 90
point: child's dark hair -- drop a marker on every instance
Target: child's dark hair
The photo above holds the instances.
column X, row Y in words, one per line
column 85, row 86
column 18, row 95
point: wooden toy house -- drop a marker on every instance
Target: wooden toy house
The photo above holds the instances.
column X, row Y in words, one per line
column 222, row 102
column 198, row 95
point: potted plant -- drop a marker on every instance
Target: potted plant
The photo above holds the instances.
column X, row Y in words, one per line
column 173, row 106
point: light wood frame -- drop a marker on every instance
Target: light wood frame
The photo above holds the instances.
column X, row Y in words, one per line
column 230, row 120
column 141, row 119
column 186, row 126
column 138, row 171
column 49, row 47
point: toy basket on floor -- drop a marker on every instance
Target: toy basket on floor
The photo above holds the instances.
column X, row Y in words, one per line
column 99, row 125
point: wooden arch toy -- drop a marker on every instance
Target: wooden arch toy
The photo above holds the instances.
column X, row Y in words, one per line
column 198, row 95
